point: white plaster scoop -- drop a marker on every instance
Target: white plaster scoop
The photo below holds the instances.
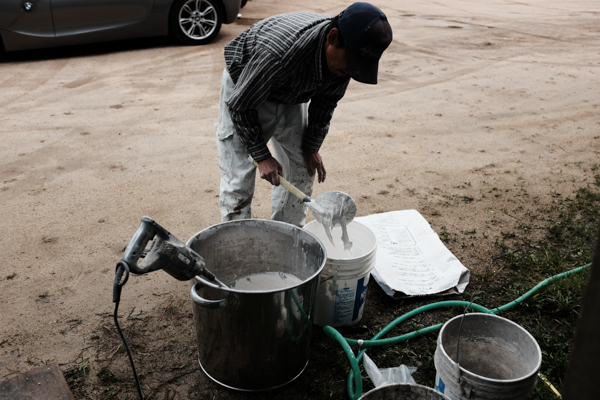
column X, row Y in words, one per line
column 330, row 209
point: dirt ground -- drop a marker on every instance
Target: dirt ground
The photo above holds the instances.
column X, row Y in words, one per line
column 484, row 111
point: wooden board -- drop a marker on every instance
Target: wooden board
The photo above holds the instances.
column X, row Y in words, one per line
column 46, row 382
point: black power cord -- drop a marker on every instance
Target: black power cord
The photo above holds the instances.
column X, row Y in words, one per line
column 120, row 281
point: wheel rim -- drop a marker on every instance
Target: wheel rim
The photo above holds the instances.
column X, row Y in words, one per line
column 197, row 19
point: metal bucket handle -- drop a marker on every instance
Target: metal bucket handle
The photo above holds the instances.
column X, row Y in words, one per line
column 465, row 388
column 202, row 302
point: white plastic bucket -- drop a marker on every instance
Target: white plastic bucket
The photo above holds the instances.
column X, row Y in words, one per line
column 344, row 280
column 497, row 359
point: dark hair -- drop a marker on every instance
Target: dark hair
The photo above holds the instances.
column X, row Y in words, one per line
column 335, row 24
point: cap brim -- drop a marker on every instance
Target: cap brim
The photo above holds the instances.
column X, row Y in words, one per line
column 361, row 69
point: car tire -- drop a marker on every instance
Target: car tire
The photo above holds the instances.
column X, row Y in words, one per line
column 195, row 22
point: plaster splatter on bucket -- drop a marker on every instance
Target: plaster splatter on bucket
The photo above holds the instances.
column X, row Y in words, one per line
column 344, row 280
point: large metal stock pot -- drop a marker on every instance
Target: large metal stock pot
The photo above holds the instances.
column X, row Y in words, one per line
column 255, row 340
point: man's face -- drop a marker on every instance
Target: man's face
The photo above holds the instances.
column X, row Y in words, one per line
column 336, row 56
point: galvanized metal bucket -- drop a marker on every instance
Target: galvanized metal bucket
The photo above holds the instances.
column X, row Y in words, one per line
column 255, row 340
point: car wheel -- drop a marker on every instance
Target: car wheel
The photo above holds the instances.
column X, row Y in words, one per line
column 195, row 22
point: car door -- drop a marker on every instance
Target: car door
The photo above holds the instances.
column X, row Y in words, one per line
column 26, row 24
column 74, row 17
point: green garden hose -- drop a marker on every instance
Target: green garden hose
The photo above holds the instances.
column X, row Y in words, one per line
column 354, row 383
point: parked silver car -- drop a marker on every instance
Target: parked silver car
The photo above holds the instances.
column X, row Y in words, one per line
column 31, row 24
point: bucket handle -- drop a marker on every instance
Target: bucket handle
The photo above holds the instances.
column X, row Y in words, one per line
column 465, row 388
column 202, row 302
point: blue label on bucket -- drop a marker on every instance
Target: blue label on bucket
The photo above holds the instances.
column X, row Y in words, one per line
column 344, row 299
column 441, row 386
column 349, row 300
column 361, row 294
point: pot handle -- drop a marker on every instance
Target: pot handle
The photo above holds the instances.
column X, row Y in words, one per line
column 202, row 302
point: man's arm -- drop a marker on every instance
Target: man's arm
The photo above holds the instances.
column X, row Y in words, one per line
column 252, row 88
column 320, row 112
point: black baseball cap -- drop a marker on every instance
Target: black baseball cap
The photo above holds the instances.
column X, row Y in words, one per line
column 366, row 33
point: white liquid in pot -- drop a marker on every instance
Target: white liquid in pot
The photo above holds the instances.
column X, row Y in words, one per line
column 266, row 281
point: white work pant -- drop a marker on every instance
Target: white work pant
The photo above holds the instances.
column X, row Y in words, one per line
column 284, row 126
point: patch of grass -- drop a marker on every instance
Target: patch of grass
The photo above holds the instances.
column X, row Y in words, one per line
column 551, row 315
column 108, row 392
column 106, row 375
column 444, row 234
column 76, row 375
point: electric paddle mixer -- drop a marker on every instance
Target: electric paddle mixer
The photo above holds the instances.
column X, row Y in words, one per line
column 165, row 252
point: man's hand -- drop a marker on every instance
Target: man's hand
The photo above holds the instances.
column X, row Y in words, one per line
column 315, row 162
column 269, row 170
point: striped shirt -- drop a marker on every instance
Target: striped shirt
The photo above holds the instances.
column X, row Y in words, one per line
column 281, row 59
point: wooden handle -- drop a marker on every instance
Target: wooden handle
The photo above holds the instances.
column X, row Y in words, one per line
column 292, row 189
